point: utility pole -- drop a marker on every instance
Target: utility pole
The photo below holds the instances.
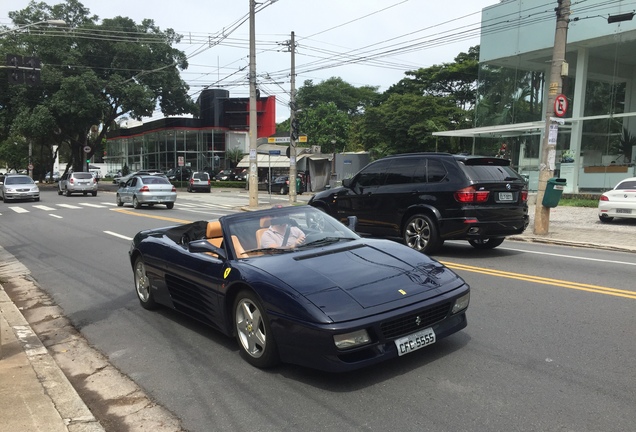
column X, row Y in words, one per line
column 293, row 129
column 253, row 171
column 548, row 148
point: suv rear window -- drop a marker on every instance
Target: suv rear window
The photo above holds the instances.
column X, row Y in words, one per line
column 201, row 176
column 486, row 170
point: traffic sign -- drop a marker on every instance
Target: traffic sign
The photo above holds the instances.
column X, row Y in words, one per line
column 560, row 105
column 274, row 152
column 87, row 149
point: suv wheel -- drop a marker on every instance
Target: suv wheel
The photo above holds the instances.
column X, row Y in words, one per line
column 68, row 193
column 487, row 243
column 60, row 191
column 420, row 233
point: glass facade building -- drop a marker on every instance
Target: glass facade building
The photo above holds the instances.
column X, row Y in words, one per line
column 198, row 143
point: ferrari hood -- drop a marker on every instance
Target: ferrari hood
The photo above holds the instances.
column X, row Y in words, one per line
column 362, row 275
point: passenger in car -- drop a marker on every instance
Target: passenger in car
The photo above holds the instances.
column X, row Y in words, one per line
column 282, row 234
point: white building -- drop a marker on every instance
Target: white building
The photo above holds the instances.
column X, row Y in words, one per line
column 517, row 39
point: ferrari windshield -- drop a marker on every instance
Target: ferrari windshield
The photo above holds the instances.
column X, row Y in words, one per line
column 284, row 230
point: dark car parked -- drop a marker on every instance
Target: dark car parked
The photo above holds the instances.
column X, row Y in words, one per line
column 225, row 175
column 179, row 174
column 427, row 198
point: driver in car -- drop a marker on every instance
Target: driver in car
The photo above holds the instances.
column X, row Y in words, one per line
column 282, row 234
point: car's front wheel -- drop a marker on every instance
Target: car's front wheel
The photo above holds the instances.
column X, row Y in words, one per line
column 142, row 286
column 487, row 243
column 253, row 331
column 119, row 201
column 421, row 234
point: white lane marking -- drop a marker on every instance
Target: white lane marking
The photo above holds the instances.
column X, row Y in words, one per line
column 69, row 206
column 570, row 256
column 118, row 235
column 92, row 205
column 55, row 216
column 43, row 207
column 111, row 204
column 19, row 209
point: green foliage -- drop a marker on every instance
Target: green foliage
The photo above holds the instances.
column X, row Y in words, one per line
column 234, row 155
column 89, row 80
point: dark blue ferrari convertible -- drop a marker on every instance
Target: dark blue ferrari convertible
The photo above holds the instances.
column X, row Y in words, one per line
column 295, row 285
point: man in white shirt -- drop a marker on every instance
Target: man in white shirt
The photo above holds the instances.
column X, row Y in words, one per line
column 281, row 231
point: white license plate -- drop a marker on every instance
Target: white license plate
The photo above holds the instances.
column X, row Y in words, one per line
column 625, row 211
column 415, row 341
column 505, row 196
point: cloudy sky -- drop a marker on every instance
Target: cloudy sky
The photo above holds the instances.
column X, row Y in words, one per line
column 365, row 42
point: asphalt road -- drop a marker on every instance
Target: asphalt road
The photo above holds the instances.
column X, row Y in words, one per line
column 549, row 343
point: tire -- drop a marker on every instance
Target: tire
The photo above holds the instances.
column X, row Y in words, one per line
column 169, row 206
column 488, row 243
column 68, row 193
column 84, row 193
column 421, row 233
column 94, row 193
column 605, row 219
column 120, row 203
column 253, row 331
column 209, row 190
column 136, row 203
column 60, row 192
column 142, row 286
column 283, row 190
column 36, row 199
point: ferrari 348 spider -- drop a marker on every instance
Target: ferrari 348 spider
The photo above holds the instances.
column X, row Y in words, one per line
column 295, row 285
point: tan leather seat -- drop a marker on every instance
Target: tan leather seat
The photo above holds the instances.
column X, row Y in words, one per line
column 264, row 225
column 214, row 234
column 238, row 247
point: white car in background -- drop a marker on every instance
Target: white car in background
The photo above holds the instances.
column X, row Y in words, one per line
column 619, row 202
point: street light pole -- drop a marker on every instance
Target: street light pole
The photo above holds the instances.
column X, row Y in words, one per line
column 548, row 147
column 292, row 119
column 253, row 161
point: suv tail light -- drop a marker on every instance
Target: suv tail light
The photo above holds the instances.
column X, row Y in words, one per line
column 144, row 189
column 71, row 180
column 524, row 195
column 471, row 195
column 191, row 181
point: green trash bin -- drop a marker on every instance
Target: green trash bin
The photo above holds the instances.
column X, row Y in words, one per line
column 553, row 191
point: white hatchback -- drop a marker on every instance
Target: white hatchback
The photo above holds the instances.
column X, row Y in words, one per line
column 619, row 202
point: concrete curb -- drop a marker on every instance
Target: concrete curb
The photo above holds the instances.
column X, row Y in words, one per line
column 70, row 406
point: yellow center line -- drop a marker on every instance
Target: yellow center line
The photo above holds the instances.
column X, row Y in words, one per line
column 544, row 281
column 169, row 219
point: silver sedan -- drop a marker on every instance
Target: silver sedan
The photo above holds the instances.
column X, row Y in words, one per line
column 619, row 202
column 147, row 190
column 17, row 186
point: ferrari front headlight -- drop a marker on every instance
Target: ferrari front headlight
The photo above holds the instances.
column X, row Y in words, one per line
column 351, row 340
column 461, row 303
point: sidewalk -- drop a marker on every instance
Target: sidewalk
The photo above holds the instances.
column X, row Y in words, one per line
column 35, row 395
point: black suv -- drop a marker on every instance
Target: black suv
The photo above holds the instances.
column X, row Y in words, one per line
column 427, row 198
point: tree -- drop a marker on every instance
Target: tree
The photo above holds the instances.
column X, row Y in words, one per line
column 91, row 78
